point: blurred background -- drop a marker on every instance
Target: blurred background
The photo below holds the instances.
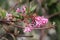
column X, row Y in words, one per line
column 47, row 8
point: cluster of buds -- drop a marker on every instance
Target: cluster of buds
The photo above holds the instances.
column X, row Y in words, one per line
column 22, row 10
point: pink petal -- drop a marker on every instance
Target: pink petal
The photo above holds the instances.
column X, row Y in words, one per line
column 18, row 10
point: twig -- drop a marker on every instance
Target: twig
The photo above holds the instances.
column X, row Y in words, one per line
column 54, row 14
column 44, row 28
column 42, row 34
column 11, row 8
column 6, row 21
column 25, row 36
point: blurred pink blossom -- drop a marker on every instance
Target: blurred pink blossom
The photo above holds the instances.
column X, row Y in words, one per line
column 8, row 16
column 23, row 10
column 28, row 28
column 18, row 10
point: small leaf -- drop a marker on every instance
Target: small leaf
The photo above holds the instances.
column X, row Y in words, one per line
column 2, row 13
column 58, row 6
column 2, row 31
column 2, row 1
column 33, row 8
column 15, row 14
column 50, row 2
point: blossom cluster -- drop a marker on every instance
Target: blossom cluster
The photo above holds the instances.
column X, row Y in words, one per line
column 40, row 21
column 37, row 23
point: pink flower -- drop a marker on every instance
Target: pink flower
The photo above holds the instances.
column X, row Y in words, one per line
column 23, row 10
column 8, row 16
column 18, row 10
column 40, row 21
column 38, row 18
column 44, row 20
column 28, row 28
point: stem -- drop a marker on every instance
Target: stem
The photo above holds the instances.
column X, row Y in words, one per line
column 28, row 5
column 54, row 14
column 42, row 34
column 11, row 8
column 25, row 36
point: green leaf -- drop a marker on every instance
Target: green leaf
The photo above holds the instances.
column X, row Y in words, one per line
column 2, row 31
column 15, row 14
column 2, row 1
column 33, row 8
column 50, row 2
column 2, row 13
column 58, row 6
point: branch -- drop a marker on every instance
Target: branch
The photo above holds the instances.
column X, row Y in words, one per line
column 25, row 36
column 54, row 14
column 11, row 8
column 36, row 28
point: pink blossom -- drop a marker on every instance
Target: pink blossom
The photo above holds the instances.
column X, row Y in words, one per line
column 38, row 23
column 40, row 20
column 28, row 28
column 8, row 16
column 44, row 20
column 23, row 10
column 18, row 10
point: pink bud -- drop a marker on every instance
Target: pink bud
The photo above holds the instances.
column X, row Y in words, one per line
column 44, row 20
column 37, row 18
column 38, row 23
column 18, row 10
column 23, row 9
column 27, row 29
column 8, row 16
